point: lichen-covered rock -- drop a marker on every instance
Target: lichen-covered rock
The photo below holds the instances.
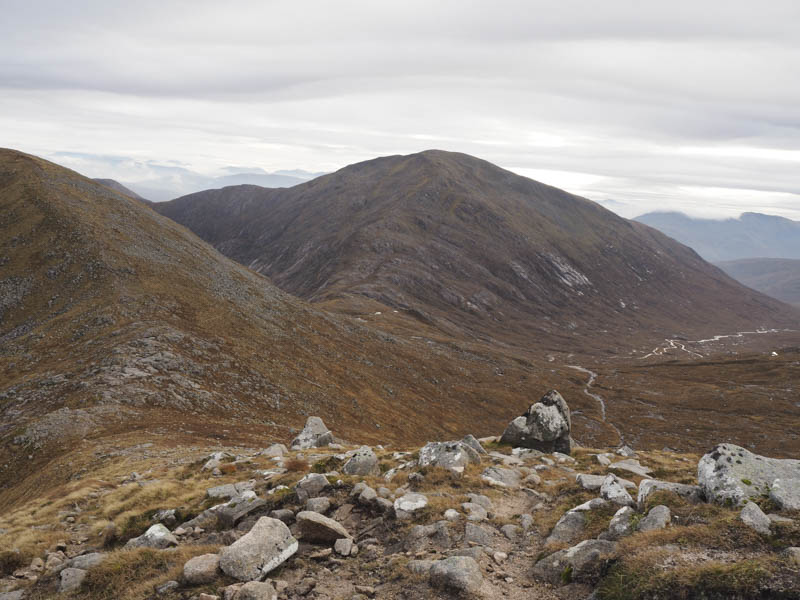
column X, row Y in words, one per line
column 755, row 519
column 613, row 491
column 693, row 493
column 658, row 518
column 582, row 563
column 452, row 456
column 157, row 536
column 362, row 462
column 785, row 493
column 266, row 546
column 314, row 435
column 545, row 426
column 731, row 474
column 459, row 574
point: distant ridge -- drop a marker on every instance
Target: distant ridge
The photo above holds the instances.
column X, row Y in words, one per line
column 776, row 277
column 752, row 235
column 116, row 185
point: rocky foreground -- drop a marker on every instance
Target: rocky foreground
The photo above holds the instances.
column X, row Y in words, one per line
column 523, row 515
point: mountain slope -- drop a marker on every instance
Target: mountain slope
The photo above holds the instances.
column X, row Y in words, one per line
column 117, row 186
column 752, row 235
column 116, row 321
column 472, row 248
column 776, row 277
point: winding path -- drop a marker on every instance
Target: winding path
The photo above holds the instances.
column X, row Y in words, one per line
column 673, row 344
column 592, row 377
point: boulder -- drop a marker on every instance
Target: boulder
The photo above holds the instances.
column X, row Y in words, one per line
column 343, row 546
column 785, row 493
column 311, row 486
column 231, row 490
column 318, row 505
column 693, row 493
column 362, row 462
column 475, row 512
column 545, row 426
column 71, row 579
column 621, row 524
column 157, row 536
column 658, row 518
column 420, row 567
column 266, row 546
column 755, row 519
column 452, row 456
column 236, row 509
column 473, row 443
column 568, row 529
column 408, row 504
column 86, row 561
column 256, row 590
column 457, row 574
column 593, row 482
column 477, row 535
column 631, row 465
column 315, row 527
column 613, row 491
column 201, row 569
column 274, row 450
column 481, row 500
column 732, row 475
column 314, row 435
column 500, row 477
column 582, row 563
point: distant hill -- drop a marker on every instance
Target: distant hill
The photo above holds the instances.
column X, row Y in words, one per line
column 116, row 185
column 776, row 277
column 752, row 235
column 475, row 249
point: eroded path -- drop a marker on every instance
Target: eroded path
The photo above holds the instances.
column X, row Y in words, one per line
column 587, row 390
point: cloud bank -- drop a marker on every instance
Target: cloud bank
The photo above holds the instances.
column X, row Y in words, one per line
column 640, row 106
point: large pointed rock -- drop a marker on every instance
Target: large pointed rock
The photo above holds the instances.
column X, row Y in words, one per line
column 265, row 547
column 545, row 426
column 314, row 435
column 731, row 474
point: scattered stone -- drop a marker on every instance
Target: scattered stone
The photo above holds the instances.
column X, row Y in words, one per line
column 459, row 574
column 275, row 450
column 320, row 505
column 71, row 580
column 343, row 546
column 363, row 462
column 201, row 569
column 314, row 435
column 231, row 490
column 603, row 459
column 473, row 443
column 157, row 536
column 167, row 587
column 568, row 528
column 510, row 531
column 86, row 561
column 632, row 466
column 755, row 519
column 785, row 493
column 583, row 563
column 167, row 517
column 793, row 554
column 283, row 514
column 658, row 518
column 311, row 486
column 545, row 426
column 621, row 524
column 236, row 509
column 452, row 515
column 594, row 482
column 452, row 456
column 476, row 534
column 408, row 504
column 315, row 527
column 256, row 590
column 647, row 487
column 266, row 546
column 613, row 491
column 367, row 495
column 475, row 512
column 501, row 477
column 732, row 474
column 626, row 451
column 420, row 567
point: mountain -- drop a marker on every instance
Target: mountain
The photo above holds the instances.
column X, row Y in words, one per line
column 776, row 277
column 118, row 325
column 474, row 250
column 116, row 185
column 752, row 235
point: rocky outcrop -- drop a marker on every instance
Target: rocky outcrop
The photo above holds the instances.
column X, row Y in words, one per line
column 731, row 474
column 314, row 435
column 647, row 487
column 545, row 426
column 452, row 456
column 266, row 546
column 785, row 493
column 582, row 563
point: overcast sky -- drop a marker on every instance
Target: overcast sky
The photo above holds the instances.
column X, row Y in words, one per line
column 691, row 106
